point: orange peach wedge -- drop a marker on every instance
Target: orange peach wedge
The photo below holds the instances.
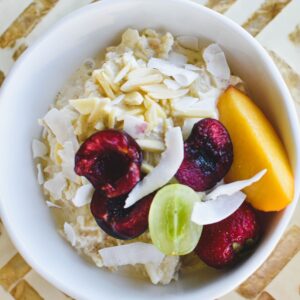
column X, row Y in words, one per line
column 256, row 146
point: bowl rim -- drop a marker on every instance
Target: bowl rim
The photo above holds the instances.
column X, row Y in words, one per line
column 277, row 78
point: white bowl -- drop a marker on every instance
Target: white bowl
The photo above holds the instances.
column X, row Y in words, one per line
column 31, row 88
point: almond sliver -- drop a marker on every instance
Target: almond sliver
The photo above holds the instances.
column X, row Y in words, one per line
column 160, row 91
column 133, row 84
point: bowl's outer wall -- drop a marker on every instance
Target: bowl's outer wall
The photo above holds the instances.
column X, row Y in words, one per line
column 30, row 90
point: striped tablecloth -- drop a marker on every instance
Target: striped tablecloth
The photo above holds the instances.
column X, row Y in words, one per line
column 274, row 23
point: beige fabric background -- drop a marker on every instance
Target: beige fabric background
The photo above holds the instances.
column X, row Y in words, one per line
column 274, row 23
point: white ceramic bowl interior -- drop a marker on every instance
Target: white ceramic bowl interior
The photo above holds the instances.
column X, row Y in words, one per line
column 30, row 89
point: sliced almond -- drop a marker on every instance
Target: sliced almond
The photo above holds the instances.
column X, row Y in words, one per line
column 146, row 168
column 134, row 98
column 160, row 91
column 134, row 84
column 151, row 145
column 104, row 83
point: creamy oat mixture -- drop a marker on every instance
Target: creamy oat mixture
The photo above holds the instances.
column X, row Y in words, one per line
column 145, row 85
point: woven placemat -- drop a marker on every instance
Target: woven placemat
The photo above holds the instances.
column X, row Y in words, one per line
column 274, row 23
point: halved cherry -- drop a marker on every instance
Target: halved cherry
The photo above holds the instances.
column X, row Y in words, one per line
column 111, row 161
column 208, row 155
column 118, row 222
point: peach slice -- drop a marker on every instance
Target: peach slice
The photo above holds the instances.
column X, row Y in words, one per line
column 256, row 146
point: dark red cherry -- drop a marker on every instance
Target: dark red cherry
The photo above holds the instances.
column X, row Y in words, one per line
column 111, row 161
column 208, row 155
column 118, row 222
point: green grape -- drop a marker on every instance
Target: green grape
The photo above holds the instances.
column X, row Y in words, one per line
column 170, row 225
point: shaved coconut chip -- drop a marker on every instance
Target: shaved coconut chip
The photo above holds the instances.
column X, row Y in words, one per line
column 39, row 149
column 182, row 76
column 56, row 185
column 216, row 63
column 199, row 109
column 40, row 175
column 67, row 155
column 191, row 67
column 69, row 113
column 177, row 58
column 135, row 126
column 188, row 126
column 160, row 91
column 169, row 163
column 216, row 210
column 57, row 121
column 51, row 204
column 171, row 84
column 233, row 187
column 164, row 272
column 83, row 195
column 184, row 102
column 131, row 254
column 213, row 94
column 70, row 233
column 154, row 272
column 188, row 41
column 185, row 78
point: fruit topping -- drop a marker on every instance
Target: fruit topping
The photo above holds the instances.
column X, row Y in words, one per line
column 208, row 155
column 111, row 161
column 224, row 243
column 256, row 147
column 168, row 165
column 213, row 211
column 170, row 225
column 117, row 221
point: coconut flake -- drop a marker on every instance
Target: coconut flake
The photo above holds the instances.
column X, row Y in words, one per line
column 58, row 122
column 51, row 204
column 171, row 84
column 216, row 63
column 191, row 67
column 188, row 126
column 177, row 58
column 223, row 201
column 131, row 254
column 182, row 76
column 185, row 78
column 188, row 41
column 216, row 210
column 40, row 175
column 170, row 162
column 70, row 233
column 56, row 185
column 39, row 149
column 193, row 107
column 67, row 155
column 233, row 187
column 135, row 126
column 83, row 195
